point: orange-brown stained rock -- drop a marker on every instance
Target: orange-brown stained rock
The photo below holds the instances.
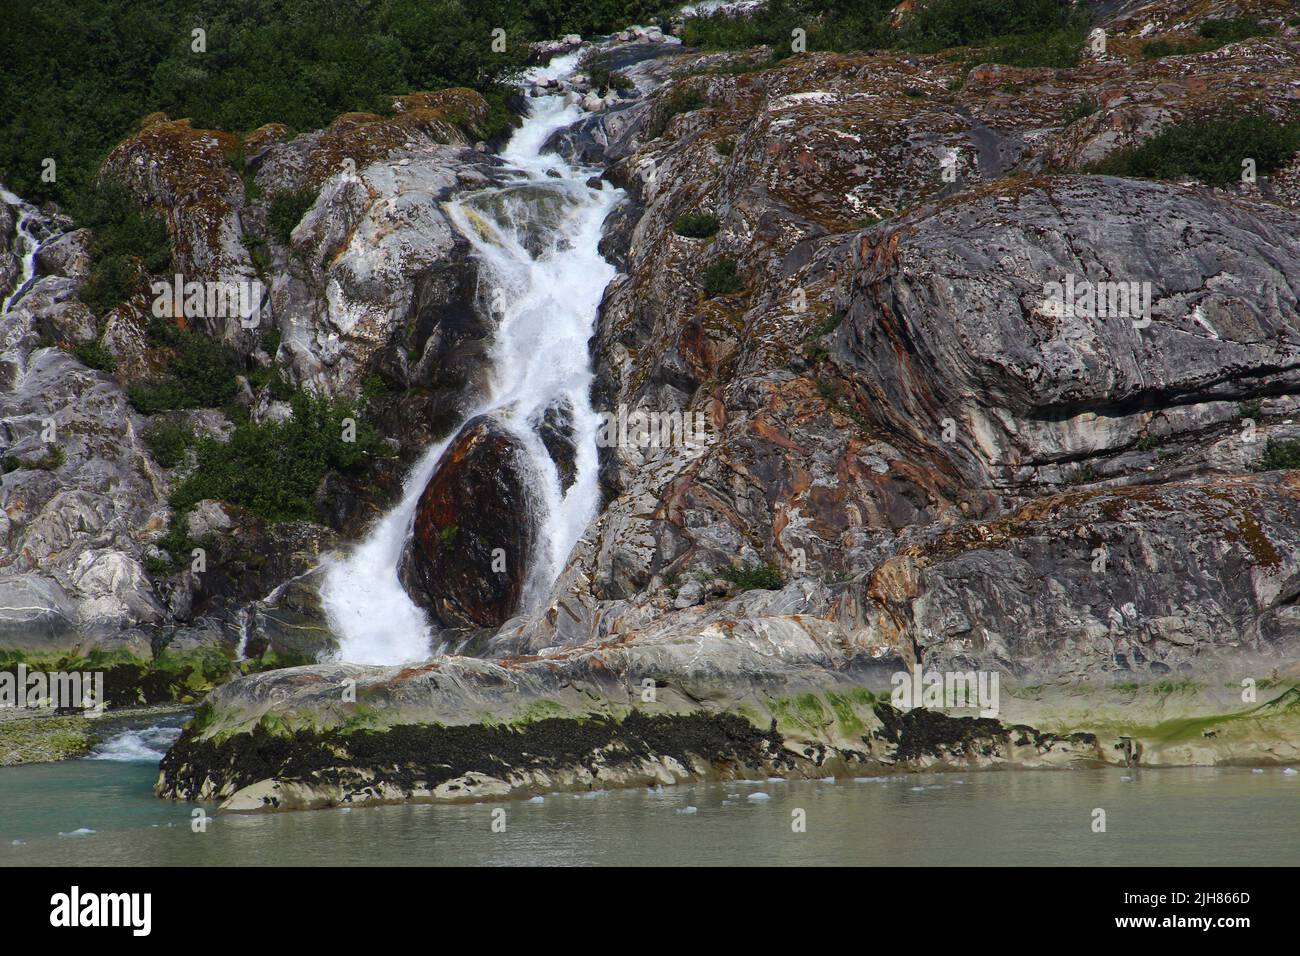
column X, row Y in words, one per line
column 479, row 500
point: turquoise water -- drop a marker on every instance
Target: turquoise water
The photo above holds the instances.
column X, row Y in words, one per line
column 1197, row 816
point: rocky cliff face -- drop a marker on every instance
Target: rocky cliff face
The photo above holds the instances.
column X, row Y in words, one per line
column 918, row 455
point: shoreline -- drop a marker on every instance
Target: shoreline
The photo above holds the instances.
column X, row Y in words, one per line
column 285, row 760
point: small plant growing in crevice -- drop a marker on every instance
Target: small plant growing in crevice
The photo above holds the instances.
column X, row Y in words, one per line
column 721, row 278
column 168, row 441
column 95, row 355
column 679, row 101
column 52, row 460
column 750, row 577
column 1279, row 454
column 696, row 225
column 286, row 211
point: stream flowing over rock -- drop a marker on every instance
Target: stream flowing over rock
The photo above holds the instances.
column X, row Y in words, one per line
column 853, row 271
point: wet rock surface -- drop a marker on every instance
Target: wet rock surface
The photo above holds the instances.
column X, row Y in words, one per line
column 475, row 529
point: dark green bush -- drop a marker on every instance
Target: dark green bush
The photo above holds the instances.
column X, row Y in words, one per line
column 604, row 79
column 680, row 100
column 696, row 225
column 764, row 577
column 52, row 460
column 199, row 374
column 95, row 355
column 273, row 470
column 1279, row 454
column 841, row 25
column 721, row 278
column 1234, row 29
column 168, row 442
column 940, row 24
column 1082, row 107
column 287, row 210
column 1212, row 34
column 1210, row 150
column 129, row 245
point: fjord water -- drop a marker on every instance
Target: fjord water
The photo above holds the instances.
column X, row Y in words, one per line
column 102, row 812
column 536, row 242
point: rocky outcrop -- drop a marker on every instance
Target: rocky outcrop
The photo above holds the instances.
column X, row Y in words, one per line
column 475, row 530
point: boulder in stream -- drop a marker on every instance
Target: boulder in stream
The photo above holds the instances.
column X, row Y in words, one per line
column 475, row 528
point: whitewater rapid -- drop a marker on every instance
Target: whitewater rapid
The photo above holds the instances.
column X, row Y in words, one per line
column 29, row 245
column 535, row 238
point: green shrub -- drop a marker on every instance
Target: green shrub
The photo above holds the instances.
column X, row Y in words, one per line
column 721, row 278
column 1279, row 453
column 95, row 355
column 274, row 469
column 680, row 100
column 1210, row 150
column 286, row 211
column 1083, row 107
column 200, row 372
column 841, row 25
column 604, row 79
column 168, row 442
column 52, row 460
column 725, row 147
column 1212, row 34
column 763, row 577
column 939, row 24
column 128, row 245
column 696, row 225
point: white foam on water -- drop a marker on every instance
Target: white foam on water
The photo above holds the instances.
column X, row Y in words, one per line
column 28, row 243
column 145, row 744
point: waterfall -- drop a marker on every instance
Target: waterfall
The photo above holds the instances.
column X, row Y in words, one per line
column 535, row 238
column 27, row 241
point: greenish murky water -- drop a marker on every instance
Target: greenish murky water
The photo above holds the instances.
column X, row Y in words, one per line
column 102, row 812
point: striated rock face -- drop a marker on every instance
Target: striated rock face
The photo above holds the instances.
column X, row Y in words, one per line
column 948, row 318
column 475, row 529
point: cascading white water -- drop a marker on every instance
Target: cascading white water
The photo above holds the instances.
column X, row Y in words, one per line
column 536, row 240
column 28, row 243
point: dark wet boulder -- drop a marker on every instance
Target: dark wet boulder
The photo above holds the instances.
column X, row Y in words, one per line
column 475, row 528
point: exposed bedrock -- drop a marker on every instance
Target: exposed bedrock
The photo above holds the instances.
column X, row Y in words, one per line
column 949, row 318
